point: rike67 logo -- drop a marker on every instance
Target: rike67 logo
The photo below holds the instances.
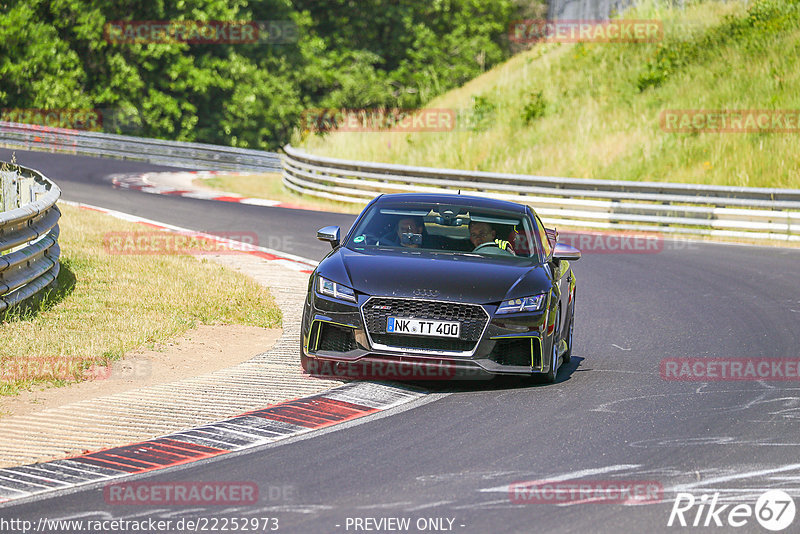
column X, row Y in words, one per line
column 774, row 510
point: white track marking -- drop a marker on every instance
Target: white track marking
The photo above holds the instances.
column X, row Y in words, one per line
column 728, row 478
column 570, row 476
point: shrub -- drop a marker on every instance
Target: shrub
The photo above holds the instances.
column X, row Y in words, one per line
column 534, row 108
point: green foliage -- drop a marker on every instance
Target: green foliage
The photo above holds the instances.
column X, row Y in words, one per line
column 534, row 108
column 765, row 17
column 482, row 113
column 374, row 53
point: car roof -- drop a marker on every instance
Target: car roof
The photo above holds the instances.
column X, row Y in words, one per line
column 444, row 198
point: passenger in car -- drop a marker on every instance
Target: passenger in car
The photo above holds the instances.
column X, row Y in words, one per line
column 484, row 238
column 409, row 233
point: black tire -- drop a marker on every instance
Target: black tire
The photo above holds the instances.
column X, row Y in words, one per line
column 570, row 340
column 567, row 356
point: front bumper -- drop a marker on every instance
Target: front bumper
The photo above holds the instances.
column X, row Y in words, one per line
column 340, row 339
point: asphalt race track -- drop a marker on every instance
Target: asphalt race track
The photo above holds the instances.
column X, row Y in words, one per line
column 451, row 458
column 81, row 179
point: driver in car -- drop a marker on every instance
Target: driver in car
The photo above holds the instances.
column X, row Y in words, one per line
column 484, row 238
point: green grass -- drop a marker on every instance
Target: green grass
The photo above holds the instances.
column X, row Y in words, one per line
column 592, row 110
column 108, row 304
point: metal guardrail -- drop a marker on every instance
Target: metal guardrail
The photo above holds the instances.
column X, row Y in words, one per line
column 29, row 249
column 170, row 153
column 717, row 211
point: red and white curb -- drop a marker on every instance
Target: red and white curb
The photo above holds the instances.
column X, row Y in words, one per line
column 251, row 429
column 290, row 261
column 179, row 184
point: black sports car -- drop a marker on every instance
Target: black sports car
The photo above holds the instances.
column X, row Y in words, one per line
column 435, row 286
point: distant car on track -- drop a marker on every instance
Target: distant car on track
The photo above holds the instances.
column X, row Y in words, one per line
column 469, row 285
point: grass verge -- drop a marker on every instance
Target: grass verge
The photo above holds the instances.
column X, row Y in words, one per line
column 108, row 304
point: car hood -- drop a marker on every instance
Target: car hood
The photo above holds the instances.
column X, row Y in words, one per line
column 438, row 276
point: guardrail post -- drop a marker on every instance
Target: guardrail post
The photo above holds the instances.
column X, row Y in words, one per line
column 9, row 190
column 38, row 191
column 25, row 187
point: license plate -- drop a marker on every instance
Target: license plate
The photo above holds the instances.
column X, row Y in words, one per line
column 422, row 327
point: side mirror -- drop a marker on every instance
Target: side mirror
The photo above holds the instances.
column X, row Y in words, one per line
column 329, row 234
column 552, row 236
column 562, row 251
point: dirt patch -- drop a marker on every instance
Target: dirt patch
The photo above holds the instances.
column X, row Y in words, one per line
column 202, row 350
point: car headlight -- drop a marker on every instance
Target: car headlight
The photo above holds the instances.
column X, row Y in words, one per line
column 525, row 304
column 335, row 290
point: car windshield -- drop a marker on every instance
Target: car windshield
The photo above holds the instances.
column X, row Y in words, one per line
column 446, row 228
